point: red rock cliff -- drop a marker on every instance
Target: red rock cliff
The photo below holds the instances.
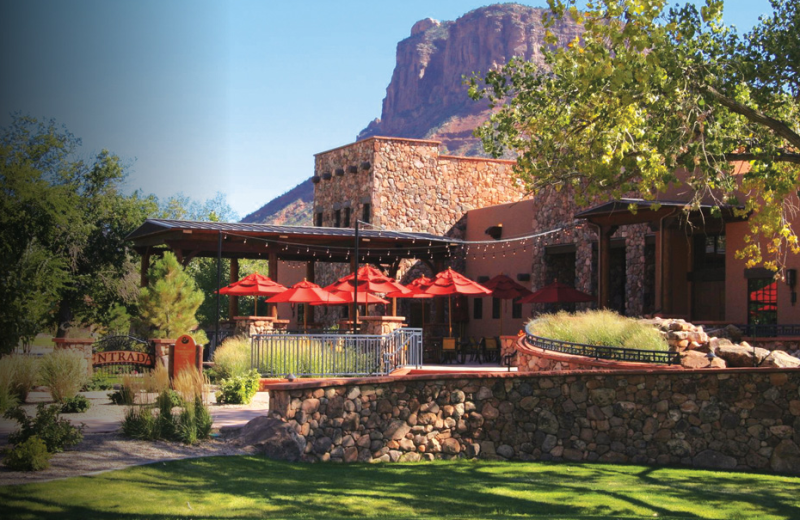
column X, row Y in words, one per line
column 427, row 98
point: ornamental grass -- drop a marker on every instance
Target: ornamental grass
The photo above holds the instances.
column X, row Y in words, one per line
column 232, row 357
column 64, row 373
column 598, row 328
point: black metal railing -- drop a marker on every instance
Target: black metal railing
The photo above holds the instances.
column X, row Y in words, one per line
column 603, row 351
column 769, row 330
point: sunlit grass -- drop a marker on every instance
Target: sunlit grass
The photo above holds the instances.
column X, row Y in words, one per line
column 599, row 328
column 253, row 487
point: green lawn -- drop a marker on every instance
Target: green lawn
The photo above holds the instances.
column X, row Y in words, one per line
column 252, row 487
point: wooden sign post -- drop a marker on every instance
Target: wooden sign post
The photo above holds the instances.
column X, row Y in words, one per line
column 185, row 354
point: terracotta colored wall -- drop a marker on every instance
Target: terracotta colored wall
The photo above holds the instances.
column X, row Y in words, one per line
column 516, row 220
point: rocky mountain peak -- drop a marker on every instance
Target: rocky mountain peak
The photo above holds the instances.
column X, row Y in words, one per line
column 427, row 97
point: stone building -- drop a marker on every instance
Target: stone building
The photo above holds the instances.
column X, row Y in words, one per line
column 658, row 260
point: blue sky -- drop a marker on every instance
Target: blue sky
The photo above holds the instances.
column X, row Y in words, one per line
column 231, row 96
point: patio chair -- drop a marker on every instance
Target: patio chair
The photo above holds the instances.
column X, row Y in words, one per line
column 449, row 350
column 491, row 349
column 470, row 350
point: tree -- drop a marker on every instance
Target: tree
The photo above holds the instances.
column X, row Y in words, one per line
column 647, row 93
column 170, row 301
column 62, row 225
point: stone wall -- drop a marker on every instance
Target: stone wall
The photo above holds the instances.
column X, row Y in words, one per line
column 727, row 419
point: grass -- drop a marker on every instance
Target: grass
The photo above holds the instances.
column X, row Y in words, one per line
column 599, row 328
column 253, row 487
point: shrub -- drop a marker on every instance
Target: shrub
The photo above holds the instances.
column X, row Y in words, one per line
column 30, row 455
column 139, row 423
column 99, row 381
column 605, row 328
column 21, row 372
column 240, row 389
column 77, row 404
column 203, row 419
column 157, row 380
column 123, row 396
column 232, row 358
column 64, row 372
column 8, row 398
column 155, row 422
column 189, row 383
column 57, row 433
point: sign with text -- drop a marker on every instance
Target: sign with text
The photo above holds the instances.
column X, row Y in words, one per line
column 184, row 355
column 119, row 357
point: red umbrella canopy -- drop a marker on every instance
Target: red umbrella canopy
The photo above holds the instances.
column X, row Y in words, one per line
column 505, row 288
column 253, row 285
column 370, row 280
column 557, row 292
column 416, row 289
column 363, row 297
column 450, row 282
column 306, row 292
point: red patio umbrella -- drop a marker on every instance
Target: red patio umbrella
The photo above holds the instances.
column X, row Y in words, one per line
column 557, row 292
column 416, row 291
column 253, row 285
column 504, row 288
column 306, row 292
column 448, row 283
column 364, row 298
column 370, row 280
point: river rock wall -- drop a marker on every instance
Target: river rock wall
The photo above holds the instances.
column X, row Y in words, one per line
column 745, row 419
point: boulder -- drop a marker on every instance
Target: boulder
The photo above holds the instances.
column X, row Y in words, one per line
column 741, row 356
column 713, row 460
column 785, row 458
column 272, row 437
column 698, row 359
column 780, row 359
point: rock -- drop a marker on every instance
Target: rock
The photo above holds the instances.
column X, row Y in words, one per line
column 272, row 437
column 603, row 396
column 739, row 356
column 547, row 422
column 397, row 430
column 713, row 460
column 451, row 446
column 506, row 451
column 322, row 445
column 785, row 458
column 698, row 359
column 411, row 456
column 780, row 359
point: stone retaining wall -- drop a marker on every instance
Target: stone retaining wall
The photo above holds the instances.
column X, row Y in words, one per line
column 745, row 419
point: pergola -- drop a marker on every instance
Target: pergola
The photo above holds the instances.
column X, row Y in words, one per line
column 189, row 239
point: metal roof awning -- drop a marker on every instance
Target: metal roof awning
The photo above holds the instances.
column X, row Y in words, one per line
column 190, row 239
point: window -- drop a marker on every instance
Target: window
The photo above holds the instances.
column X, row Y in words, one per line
column 318, row 219
column 337, row 218
column 495, row 308
column 346, row 217
column 477, row 308
column 762, row 301
column 516, row 310
column 365, row 213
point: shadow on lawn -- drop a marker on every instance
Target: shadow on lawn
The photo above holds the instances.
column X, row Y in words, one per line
column 464, row 489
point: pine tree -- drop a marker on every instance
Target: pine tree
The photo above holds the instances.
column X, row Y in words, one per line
column 170, row 301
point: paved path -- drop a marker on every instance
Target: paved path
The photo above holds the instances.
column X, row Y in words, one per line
column 105, row 417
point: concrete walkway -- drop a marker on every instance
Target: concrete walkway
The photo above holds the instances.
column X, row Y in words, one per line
column 106, row 417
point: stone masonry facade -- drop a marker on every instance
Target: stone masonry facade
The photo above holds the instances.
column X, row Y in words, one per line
column 724, row 419
column 406, row 185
